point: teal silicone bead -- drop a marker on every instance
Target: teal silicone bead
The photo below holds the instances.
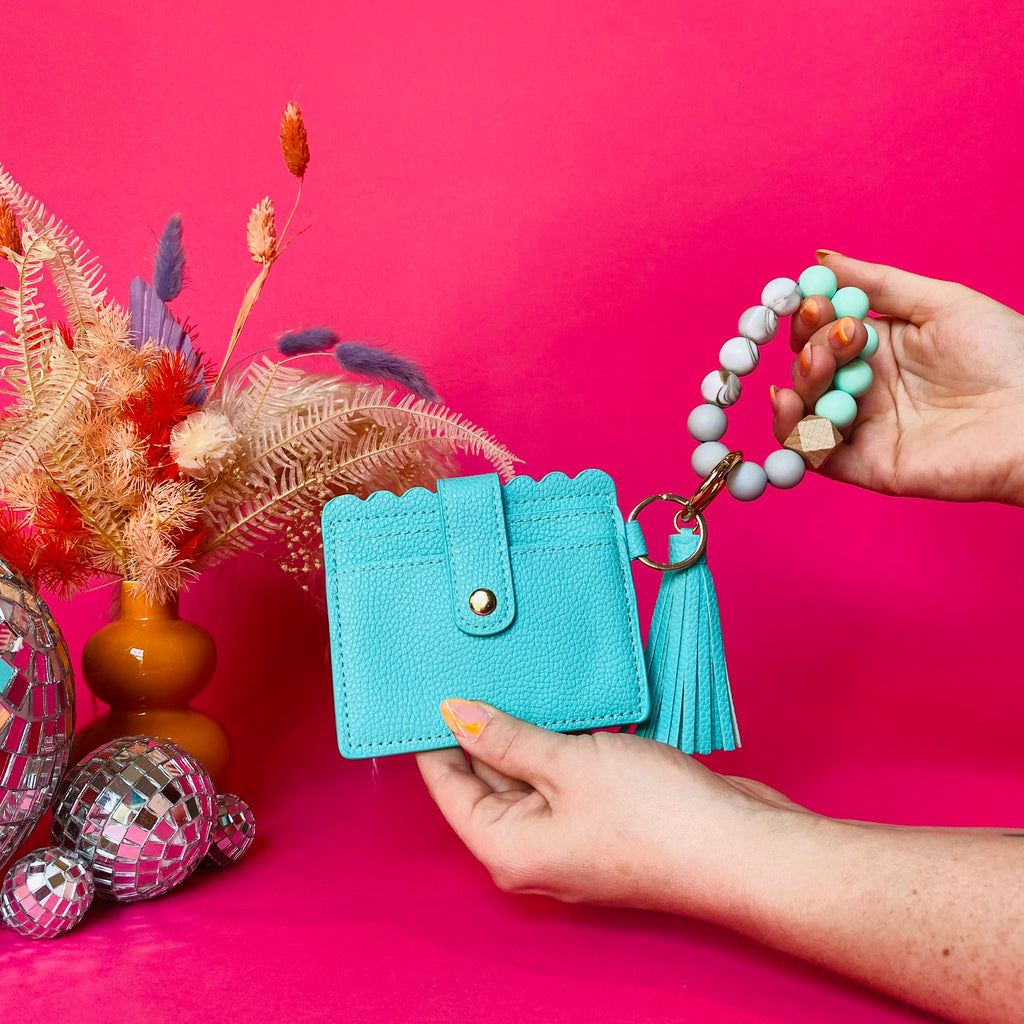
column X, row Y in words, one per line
column 818, row 281
column 854, row 378
column 837, row 406
column 850, row 302
column 872, row 346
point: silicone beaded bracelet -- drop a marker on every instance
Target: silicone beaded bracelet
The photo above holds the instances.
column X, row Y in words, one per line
column 815, row 437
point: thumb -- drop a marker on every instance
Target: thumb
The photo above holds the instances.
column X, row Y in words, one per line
column 893, row 292
column 511, row 746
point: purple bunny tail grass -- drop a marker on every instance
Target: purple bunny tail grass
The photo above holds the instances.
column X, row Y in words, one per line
column 299, row 343
column 375, row 362
column 169, row 269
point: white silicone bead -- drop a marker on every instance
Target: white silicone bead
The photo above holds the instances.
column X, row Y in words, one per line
column 782, row 296
column 708, row 455
column 739, row 356
column 759, row 324
column 784, row 468
column 747, row 481
column 706, row 423
column 720, row 388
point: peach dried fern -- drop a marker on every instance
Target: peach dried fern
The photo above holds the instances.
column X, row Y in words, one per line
column 115, row 456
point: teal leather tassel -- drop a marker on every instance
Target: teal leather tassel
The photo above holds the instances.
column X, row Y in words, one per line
column 691, row 705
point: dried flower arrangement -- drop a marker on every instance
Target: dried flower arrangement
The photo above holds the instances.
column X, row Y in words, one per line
column 124, row 454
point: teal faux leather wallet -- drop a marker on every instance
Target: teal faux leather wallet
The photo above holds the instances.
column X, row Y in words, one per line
column 519, row 595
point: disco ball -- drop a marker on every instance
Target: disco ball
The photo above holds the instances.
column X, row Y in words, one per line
column 234, row 829
column 139, row 811
column 46, row 893
column 37, row 709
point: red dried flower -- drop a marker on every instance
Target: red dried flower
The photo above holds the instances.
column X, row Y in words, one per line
column 190, row 544
column 56, row 515
column 16, row 547
column 165, row 400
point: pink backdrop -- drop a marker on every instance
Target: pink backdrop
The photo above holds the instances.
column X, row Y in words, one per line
column 560, row 209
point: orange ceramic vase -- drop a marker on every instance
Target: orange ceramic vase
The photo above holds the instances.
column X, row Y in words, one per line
column 147, row 666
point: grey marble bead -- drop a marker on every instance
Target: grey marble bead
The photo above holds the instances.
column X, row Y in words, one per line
column 721, row 388
column 782, row 296
column 739, row 356
column 706, row 423
column 747, row 481
column 759, row 324
column 708, row 455
column 785, row 468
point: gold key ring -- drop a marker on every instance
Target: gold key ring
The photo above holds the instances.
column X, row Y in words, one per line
column 700, row 525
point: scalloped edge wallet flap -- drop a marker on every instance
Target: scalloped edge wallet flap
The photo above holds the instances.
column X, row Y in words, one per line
column 519, row 595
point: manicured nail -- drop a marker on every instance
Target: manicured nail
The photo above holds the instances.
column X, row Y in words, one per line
column 465, row 718
column 822, row 253
column 840, row 334
column 773, row 393
column 806, row 358
column 809, row 311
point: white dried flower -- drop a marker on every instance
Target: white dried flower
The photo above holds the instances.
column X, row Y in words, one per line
column 203, row 443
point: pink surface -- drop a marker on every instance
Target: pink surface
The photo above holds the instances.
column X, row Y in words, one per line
column 561, row 210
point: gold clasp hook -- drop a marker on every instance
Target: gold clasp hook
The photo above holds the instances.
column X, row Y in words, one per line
column 709, row 487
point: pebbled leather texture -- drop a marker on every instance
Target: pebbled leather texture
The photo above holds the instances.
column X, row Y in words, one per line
column 562, row 647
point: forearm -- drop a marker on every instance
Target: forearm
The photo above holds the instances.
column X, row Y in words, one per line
column 932, row 916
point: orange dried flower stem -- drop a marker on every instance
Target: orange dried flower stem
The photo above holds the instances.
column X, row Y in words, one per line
column 10, row 237
column 243, row 314
column 282, row 245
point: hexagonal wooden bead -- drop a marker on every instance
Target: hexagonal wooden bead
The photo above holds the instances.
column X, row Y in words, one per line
column 815, row 438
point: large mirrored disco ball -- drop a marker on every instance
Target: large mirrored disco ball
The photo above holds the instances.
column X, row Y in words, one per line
column 139, row 811
column 46, row 893
column 37, row 709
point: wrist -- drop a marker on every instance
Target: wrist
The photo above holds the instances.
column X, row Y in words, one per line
column 746, row 869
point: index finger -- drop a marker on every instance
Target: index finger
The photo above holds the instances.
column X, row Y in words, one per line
column 894, row 292
column 453, row 786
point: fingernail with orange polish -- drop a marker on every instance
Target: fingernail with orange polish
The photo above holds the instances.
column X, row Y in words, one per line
column 841, row 333
column 822, row 253
column 806, row 358
column 809, row 311
column 465, row 718
column 773, row 394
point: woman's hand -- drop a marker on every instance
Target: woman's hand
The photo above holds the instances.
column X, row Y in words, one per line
column 934, row 916
column 944, row 417
column 603, row 818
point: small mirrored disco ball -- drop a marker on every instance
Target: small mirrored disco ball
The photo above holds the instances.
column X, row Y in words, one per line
column 46, row 893
column 37, row 709
column 139, row 811
column 234, row 829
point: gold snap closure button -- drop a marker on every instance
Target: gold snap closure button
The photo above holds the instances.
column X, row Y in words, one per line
column 482, row 602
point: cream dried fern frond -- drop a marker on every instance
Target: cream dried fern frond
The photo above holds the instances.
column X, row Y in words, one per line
column 291, row 470
column 76, row 275
column 60, row 396
column 71, row 467
column 280, row 410
column 23, row 354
